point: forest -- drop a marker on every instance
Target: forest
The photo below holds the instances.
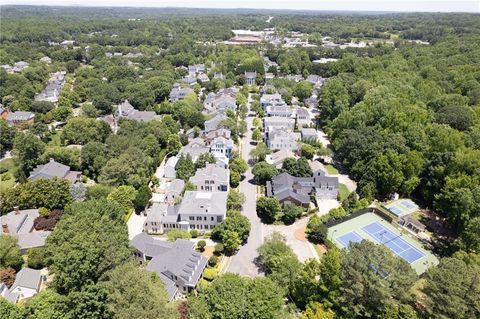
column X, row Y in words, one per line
column 403, row 117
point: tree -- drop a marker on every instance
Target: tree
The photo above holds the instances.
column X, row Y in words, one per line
column 135, row 293
column 7, row 137
column 36, row 258
column 303, row 90
column 41, row 106
column 47, row 304
column 10, row 255
column 372, row 278
column 470, row 237
column 330, row 272
column 259, row 153
column 308, row 151
column 185, row 167
column 27, row 148
column 144, row 194
column 98, row 191
column 238, row 165
column 235, row 222
column 235, row 200
column 203, row 159
column 316, row 310
column 7, row 276
column 81, row 130
column 263, row 172
column 256, row 135
column 290, row 213
column 78, row 191
column 279, row 261
column 298, row 168
column 268, row 209
column 234, row 179
column 452, row 289
column 72, row 255
column 10, row 311
column 175, row 234
column 231, row 241
column 316, row 230
column 124, row 196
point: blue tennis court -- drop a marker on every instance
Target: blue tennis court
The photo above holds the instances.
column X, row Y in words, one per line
column 346, row 239
column 396, row 244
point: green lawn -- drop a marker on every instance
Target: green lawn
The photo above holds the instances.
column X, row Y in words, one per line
column 6, row 179
column 343, row 191
column 331, row 170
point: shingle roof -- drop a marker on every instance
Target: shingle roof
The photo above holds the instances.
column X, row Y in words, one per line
column 212, row 171
column 50, row 170
column 203, row 203
column 28, row 278
column 20, row 116
column 19, row 223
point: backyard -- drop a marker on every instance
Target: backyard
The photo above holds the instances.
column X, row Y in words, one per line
column 7, row 169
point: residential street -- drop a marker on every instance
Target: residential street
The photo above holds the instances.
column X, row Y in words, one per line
column 243, row 262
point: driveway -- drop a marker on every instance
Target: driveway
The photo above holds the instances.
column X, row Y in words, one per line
column 135, row 225
column 243, row 262
column 294, row 234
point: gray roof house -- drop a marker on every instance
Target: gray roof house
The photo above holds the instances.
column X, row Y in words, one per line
column 219, row 102
column 309, row 134
column 250, row 77
column 221, row 132
column 222, row 145
column 194, row 148
column 326, row 187
column 280, row 139
column 54, row 169
column 51, row 92
column 202, row 210
column 303, row 117
column 213, row 124
column 196, row 68
column 126, row 110
column 5, row 293
column 291, row 190
column 211, row 178
column 27, row 283
column 278, row 111
column 169, row 168
column 19, row 223
column 274, row 99
column 179, row 93
column 157, row 215
column 19, row 117
column 280, row 123
column 174, row 191
column 177, row 264
column 279, row 156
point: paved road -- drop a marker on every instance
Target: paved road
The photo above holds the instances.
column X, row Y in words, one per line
column 243, row 262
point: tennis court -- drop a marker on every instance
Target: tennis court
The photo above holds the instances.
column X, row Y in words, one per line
column 372, row 227
column 394, row 242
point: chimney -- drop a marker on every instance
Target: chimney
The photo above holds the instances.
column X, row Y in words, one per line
column 5, row 228
column 51, row 160
column 16, row 209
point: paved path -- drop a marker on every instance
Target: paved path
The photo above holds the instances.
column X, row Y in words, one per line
column 135, row 225
column 243, row 262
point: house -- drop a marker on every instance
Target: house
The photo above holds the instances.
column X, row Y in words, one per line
column 20, row 118
column 220, row 102
column 279, row 139
column 250, row 77
column 19, row 223
column 278, row 123
column 27, row 283
column 202, row 210
column 194, row 148
column 177, row 263
column 196, row 68
column 126, row 110
column 309, row 134
column 295, row 77
column 326, row 187
column 315, row 80
column 291, row 190
column 311, row 102
column 221, row 132
column 202, row 77
column 52, row 90
column 222, row 145
column 169, row 169
column 411, row 224
column 276, row 159
column 46, row 59
column 221, row 160
column 303, row 117
column 190, row 79
column 54, row 169
column 174, row 191
column 279, row 111
column 5, row 293
column 20, row 66
column 211, row 178
column 213, row 124
column 157, row 215
column 269, row 76
column 274, row 99
column 179, row 93
column 218, row 75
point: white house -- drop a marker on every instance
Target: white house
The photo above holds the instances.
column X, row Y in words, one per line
column 27, row 283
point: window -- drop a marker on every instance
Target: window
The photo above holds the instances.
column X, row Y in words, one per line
column 211, row 218
column 205, row 218
column 199, row 217
column 191, row 218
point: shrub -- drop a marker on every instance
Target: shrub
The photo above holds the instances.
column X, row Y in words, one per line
column 201, row 245
column 213, row 261
column 194, row 233
column 178, row 233
column 36, row 258
column 210, row 274
column 316, row 230
column 219, row 248
column 202, row 285
column 6, row 176
column 44, row 212
column 3, row 170
column 48, row 222
column 7, row 276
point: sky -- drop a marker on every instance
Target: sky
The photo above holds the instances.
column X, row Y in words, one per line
column 344, row 5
